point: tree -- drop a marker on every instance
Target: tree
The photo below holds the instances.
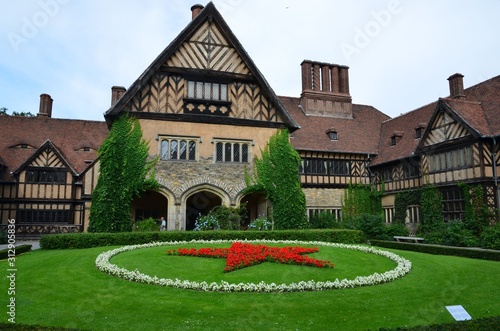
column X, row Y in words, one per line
column 3, row 112
column 277, row 174
column 125, row 172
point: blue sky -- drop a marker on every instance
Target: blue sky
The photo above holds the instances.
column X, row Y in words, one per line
column 400, row 52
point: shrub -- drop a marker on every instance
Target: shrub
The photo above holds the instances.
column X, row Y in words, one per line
column 229, row 218
column 148, row 224
column 260, row 223
column 323, row 220
column 372, row 226
column 87, row 240
column 4, row 253
column 395, row 229
column 206, row 222
column 490, row 237
column 452, row 233
column 3, row 237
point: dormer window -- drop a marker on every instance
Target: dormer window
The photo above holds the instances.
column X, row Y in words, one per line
column 419, row 130
column 332, row 134
column 396, row 137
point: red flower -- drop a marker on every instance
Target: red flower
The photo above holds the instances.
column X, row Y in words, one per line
column 241, row 255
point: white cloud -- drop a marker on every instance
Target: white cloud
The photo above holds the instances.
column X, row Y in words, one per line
column 85, row 47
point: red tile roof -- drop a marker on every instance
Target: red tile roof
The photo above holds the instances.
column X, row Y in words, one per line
column 357, row 135
column 68, row 136
column 488, row 94
column 406, row 144
column 480, row 111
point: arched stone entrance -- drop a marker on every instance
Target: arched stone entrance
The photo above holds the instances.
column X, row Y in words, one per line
column 149, row 204
column 256, row 205
column 200, row 203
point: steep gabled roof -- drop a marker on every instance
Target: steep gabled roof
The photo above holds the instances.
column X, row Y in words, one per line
column 67, row 136
column 212, row 15
column 46, row 146
column 357, row 135
column 403, row 127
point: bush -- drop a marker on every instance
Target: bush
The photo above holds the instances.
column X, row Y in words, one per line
column 261, row 223
column 25, row 327
column 372, row 226
column 481, row 324
column 490, row 237
column 395, row 229
column 229, row 218
column 4, row 253
column 453, row 233
column 473, row 253
column 323, row 220
column 3, row 237
column 206, row 222
column 87, row 240
column 149, row 224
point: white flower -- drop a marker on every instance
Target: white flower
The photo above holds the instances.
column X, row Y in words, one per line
column 403, row 267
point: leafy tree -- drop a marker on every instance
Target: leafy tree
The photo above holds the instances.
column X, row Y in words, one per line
column 125, row 172
column 25, row 114
column 277, row 174
column 3, row 111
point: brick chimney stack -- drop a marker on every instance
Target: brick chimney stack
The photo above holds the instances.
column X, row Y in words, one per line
column 116, row 93
column 195, row 10
column 325, row 89
column 45, row 106
column 457, row 86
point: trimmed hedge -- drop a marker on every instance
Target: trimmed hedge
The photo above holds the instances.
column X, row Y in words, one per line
column 4, row 253
column 26, row 327
column 87, row 240
column 474, row 253
column 481, row 324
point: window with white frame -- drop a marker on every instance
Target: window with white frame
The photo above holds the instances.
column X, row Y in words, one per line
column 388, row 214
column 178, row 148
column 231, row 151
column 207, row 91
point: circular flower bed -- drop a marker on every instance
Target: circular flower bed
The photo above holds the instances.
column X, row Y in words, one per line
column 403, row 267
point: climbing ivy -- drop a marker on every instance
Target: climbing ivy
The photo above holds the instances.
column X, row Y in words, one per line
column 402, row 201
column 431, row 205
column 277, row 174
column 125, row 172
column 360, row 199
column 477, row 214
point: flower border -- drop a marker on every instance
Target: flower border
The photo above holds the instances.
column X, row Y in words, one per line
column 403, row 267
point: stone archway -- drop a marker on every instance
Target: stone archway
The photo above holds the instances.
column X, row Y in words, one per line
column 256, row 205
column 150, row 204
column 198, row 203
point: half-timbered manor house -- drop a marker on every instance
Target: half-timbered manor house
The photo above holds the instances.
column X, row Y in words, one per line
column 207, row 112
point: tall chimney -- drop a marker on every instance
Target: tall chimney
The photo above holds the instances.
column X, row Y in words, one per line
column 45, row 105
column 116, row 93
column 325, row 89
column 195, row 10
column 457, row 86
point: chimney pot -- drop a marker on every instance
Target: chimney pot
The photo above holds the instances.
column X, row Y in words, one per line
column 45, row 105
column 116, row 93
column 195, row 10
column 457, row 86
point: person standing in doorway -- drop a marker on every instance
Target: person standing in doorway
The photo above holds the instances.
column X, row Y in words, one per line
column 163, row 225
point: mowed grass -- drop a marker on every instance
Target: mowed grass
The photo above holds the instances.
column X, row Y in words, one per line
column 155, row 262
column 64, row 288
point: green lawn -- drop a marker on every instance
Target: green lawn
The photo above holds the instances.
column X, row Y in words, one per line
column 63, row 288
